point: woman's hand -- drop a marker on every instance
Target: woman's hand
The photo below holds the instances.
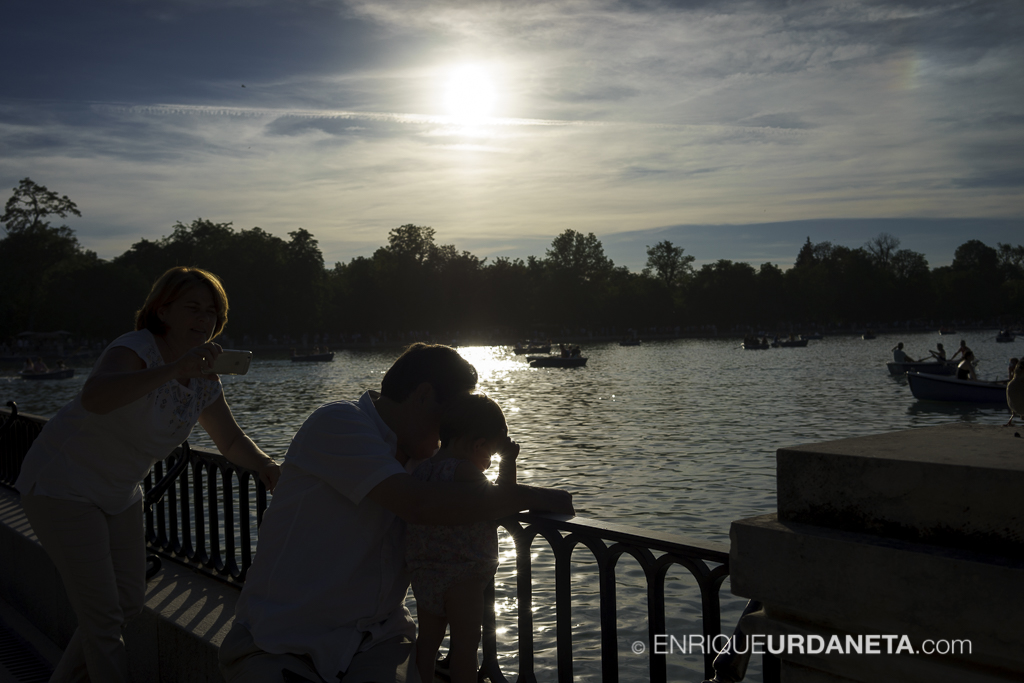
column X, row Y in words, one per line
column 270, row 472
column 198, row 361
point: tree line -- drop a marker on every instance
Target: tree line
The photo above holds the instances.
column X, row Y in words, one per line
column 282, row 286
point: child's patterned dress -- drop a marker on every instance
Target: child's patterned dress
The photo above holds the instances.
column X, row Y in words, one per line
column 441, row 556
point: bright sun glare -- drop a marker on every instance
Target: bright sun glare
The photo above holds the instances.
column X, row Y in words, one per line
column 469, row 93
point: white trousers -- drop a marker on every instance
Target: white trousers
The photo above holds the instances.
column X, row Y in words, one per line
column 102, row 561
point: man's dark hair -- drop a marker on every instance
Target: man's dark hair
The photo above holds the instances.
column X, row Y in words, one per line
column 441, row 366
column 475, row 416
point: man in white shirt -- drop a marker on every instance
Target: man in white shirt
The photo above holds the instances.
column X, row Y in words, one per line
column 324, row 598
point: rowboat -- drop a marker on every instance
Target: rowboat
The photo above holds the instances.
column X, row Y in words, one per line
column 556, row 361
column 314, row 358
column 1005, row 336
column 938, row 388
column 63, row 373
column 927, row 367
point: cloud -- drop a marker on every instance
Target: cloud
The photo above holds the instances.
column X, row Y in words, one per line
column 613, row 117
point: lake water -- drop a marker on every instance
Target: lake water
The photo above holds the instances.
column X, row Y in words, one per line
column 676, row 436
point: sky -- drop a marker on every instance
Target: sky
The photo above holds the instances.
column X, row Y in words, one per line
column 735, row 129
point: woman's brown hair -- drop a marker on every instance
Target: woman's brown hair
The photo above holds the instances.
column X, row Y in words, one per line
column 171, row 285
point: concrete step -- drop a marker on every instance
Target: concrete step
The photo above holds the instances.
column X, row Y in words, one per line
column 956, row 485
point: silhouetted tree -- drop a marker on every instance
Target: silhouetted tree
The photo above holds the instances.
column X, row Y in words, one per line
column 579, row 257
column 724, row 293
column 772, row 299
column 510, row 294
column 1011, row 266
column 1011, row 260
column 668, row 263
column 30, row 204
column 882, row 249
column 970, row 287
column 281, row 286
column 35, row 258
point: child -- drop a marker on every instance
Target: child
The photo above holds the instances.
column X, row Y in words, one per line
column 451, row 565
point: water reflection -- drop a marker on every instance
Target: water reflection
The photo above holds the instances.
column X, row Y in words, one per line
column 983, row 413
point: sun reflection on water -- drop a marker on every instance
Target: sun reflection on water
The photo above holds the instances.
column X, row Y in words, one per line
column 491, row 362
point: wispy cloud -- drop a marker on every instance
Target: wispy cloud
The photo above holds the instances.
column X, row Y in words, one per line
column 330, row 115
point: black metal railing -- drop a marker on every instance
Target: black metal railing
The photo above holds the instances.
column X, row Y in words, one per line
column 208, row 516
column 656, row 553
column 210, row 510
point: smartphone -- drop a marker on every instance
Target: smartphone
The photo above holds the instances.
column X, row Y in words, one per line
column 232, row 362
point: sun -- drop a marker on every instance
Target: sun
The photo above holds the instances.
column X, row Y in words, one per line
column 469, row 93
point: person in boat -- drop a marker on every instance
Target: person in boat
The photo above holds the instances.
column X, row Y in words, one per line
column 27, row 368
column 900, row 356
column 61, row 365
column 80, row 482
column 564, row 352
column 965, row 370
column 324, row 597
column 575, row 352
column 939, row 354
column 962, row 351
column 38, row 366
column 450, row 566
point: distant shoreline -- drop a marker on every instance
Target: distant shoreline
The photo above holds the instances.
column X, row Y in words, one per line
column 284, row 351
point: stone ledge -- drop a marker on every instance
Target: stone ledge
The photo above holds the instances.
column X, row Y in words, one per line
column 956, row 485
column 175, row 639
column 859, row 583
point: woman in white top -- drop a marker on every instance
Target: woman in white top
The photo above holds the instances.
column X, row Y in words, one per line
column 80, row 482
